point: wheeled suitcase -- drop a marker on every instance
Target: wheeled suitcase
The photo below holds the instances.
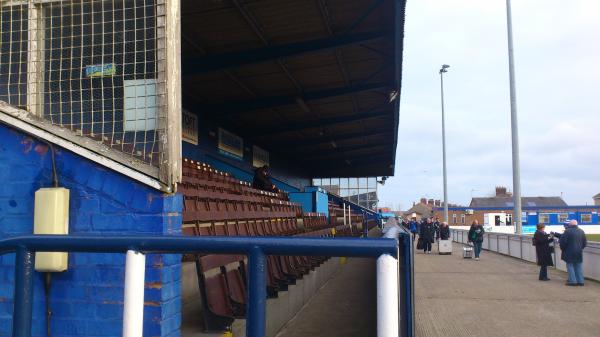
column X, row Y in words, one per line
column 468, row 252
column 445, row 247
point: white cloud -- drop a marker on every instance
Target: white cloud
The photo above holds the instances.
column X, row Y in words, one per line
column 558, row 83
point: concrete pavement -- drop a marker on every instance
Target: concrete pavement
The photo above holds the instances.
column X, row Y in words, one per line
column 499, row 296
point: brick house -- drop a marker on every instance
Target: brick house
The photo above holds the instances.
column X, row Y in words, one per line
column 497, row 211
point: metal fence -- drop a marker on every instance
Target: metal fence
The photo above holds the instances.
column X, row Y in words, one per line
column 102, row 69
column 521, row 247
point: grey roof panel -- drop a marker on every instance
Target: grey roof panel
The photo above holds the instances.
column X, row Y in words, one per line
column 508, row 202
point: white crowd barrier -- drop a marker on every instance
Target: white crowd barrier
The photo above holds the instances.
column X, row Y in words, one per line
column 520, row 247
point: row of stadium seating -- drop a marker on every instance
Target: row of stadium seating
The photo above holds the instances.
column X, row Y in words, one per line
column 216, row 204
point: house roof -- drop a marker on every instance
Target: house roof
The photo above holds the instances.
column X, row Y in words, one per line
column 525, row 202
column 419, row 208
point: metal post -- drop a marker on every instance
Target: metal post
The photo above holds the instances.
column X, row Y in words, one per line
column 442, row 71
column 133, row 311
column 514, row 127
column 408, row 271
column 387, row 296
column 23, row 295
column 257, row 295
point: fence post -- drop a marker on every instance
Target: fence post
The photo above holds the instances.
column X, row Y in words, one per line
column 23, row 295
column 133, row 311
column 257, row 293
column 521, row 245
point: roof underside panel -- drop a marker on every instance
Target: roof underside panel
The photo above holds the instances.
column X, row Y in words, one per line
column 310, row 79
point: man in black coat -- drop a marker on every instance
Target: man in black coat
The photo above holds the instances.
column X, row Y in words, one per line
column 572, row 243
column 262, row 180
column 426, row 234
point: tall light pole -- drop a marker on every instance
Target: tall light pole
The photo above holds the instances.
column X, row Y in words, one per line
column 514, row 127
column 442, row 71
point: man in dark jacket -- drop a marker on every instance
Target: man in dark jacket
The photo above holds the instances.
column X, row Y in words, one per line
column 426, row 233
column 572, row 243
column 262, row 180
column 476, row 236
column 444, row 232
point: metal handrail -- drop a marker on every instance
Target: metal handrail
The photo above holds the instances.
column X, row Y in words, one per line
column 256, row 248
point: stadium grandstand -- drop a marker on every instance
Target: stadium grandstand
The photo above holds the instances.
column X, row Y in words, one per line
column 135, row 118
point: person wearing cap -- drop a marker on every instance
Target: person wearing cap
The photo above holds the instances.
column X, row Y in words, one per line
column 572, row 243
column 565, row 224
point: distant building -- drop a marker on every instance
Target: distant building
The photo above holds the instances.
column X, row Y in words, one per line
column 597, row 199
column 422, row 209
column 497, row 211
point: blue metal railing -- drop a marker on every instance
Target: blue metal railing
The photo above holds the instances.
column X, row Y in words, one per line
column 256, row 248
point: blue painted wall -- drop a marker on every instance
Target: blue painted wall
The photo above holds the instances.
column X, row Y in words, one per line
column 87, row 299
column 314, row 199
column 286, row 174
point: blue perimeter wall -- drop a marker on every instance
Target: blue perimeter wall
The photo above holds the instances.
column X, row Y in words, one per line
column 87, row 300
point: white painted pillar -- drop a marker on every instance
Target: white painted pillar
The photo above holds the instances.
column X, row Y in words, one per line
column 387, row 296
column 349, row 215
column 133, row 312
column 344, row 206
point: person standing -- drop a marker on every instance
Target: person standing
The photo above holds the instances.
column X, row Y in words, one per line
column 427, row 233
column 444, row 232
column 476, row 236
column 436, row 228
column 572, row 243
column 414, row 228
column 543, row 251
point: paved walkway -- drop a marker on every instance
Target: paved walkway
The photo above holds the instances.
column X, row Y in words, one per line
column 344, row 307
column 499, row 296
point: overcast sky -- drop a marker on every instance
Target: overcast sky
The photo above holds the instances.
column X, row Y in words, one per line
column 557, row 62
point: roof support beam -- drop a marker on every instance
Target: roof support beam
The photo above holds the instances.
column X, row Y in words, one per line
column 364, row 15
column 360, row 160
column 202, row 64
column 270, row 131
column 351, row 154
column 332, row 138
column 340, row 150
column 275, row 101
